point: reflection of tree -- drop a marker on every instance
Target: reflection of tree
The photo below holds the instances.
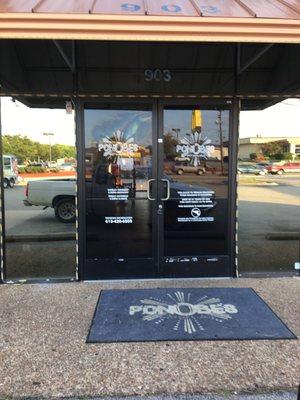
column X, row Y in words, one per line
column 26, row 149
column 170, row 146
column 271, row 148
column 144, row 151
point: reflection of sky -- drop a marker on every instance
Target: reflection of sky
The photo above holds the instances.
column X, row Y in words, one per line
column 181, row 119
column 101, row 123
column 138, row 124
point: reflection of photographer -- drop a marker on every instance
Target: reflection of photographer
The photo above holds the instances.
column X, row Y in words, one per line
column 97, row 191
column 103, row 177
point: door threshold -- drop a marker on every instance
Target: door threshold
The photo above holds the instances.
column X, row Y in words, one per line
column 158, row 279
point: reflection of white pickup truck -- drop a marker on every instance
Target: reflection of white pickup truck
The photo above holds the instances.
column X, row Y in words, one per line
column 59, row 194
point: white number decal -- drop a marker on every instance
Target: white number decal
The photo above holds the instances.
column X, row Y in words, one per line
column 158, row 75
column 148, row 75
column 167, row 75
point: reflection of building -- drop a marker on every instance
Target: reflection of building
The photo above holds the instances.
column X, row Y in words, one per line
column 217, row 151
column 255, row 144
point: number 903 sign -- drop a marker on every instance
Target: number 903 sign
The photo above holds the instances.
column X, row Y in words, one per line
column 157, row 75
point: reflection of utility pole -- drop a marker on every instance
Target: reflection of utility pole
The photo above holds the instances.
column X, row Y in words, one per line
column 219, row 122
column 176, row 130
column 49, row 134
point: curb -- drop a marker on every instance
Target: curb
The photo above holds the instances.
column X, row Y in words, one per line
column 283, row 236
column 43, row 237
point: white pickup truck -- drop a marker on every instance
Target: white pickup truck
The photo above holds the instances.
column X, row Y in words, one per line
column 59, row 194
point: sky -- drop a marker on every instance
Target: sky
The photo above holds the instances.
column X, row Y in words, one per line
column 280, row 120
column 17, row 118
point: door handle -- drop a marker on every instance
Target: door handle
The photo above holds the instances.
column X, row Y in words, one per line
column 168, row 189
column 148, row 189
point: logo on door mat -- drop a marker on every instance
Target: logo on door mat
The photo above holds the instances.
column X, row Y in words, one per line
column 185, row 314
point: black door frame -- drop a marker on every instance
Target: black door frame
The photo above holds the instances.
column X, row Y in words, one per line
column 231, row 105
column 158, row 104
column 81, row 194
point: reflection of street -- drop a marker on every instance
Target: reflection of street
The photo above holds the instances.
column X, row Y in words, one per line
column 33, row 240
column 286, row 179
column 21, row 220
column 265, row 210
column 217, row 183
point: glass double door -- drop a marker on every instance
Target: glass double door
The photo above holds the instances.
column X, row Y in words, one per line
column 156, row 190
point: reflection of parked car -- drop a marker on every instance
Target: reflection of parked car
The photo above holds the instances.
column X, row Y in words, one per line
column 67, row 167
column 36, row 164
column 10, row 171
column 184, row 167
column 214, row 166
column 250, row 169
column 283, row 167
column 263, row 165
column 51, row 164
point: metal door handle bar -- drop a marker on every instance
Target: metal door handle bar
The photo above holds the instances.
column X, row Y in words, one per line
column 148, row 189
column 168, row 189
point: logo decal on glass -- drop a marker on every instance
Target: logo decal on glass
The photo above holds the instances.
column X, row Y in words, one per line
column 186, row 314
column 118, row 145
column 195, row 147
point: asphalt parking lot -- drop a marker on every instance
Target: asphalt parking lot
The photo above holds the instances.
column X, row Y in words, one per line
column 22, row 220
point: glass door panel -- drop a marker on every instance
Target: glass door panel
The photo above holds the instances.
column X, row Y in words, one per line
column 156, row 190
column 195, row 214
column 119, row 185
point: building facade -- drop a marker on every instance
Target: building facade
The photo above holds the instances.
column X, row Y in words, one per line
column 251, row 145
column 156, row 94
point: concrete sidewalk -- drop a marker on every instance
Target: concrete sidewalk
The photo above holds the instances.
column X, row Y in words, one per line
column 269, row 396
column 43, row 351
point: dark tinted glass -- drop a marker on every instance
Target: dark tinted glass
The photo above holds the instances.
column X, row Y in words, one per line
column 118, row 165
column 196, row 163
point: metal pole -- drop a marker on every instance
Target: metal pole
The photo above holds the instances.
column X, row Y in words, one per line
column 49, row 134
column 50, row 152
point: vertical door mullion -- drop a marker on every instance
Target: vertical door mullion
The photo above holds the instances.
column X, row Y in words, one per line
column 232, row 183
column 154, row 203
column 160, row 213
column 81, row 210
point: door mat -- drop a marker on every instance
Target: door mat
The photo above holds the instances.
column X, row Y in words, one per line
column 184, row 314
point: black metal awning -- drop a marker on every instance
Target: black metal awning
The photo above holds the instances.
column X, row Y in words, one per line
column 43, row 73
